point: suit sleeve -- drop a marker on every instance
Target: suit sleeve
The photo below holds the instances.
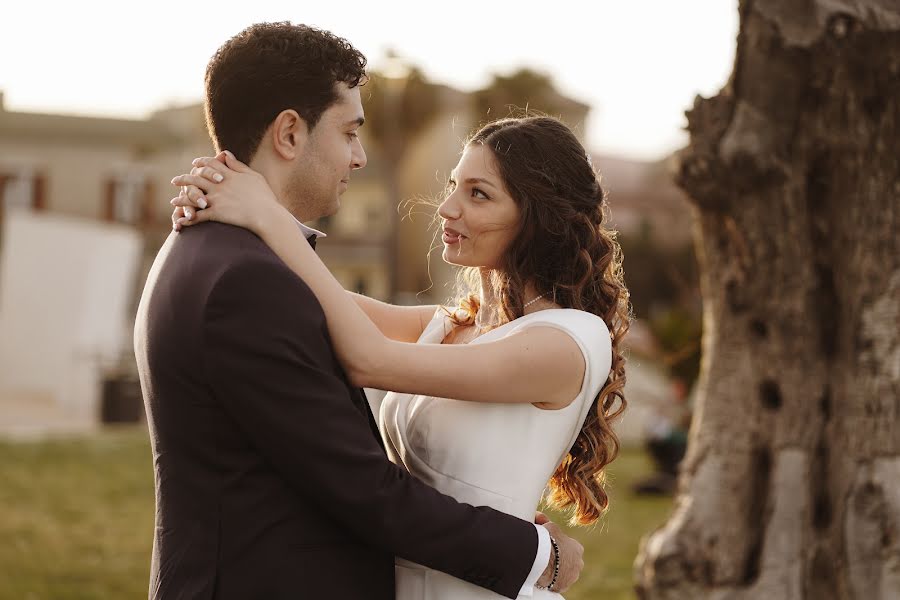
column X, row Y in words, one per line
column 270, row 361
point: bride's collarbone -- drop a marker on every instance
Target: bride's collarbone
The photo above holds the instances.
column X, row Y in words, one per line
column 461, row 335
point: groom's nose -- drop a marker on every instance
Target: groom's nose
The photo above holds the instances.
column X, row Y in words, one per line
column 358, row 156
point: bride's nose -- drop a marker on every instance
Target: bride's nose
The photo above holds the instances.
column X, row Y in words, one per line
column 449, row 209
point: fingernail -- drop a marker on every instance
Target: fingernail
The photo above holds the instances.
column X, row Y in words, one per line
column 228, row 152
column 187, row 214
column 172, row 201
column 202, row 202
column 195, row 161
column 218, row 177
column 174, row 179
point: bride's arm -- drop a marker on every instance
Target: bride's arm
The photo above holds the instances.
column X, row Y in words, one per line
column 540, row 365
column 400, row 323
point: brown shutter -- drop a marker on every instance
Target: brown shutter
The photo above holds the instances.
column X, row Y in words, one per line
column 3, row 179
column 148, row 211
column 110, row 200
column 39, row 193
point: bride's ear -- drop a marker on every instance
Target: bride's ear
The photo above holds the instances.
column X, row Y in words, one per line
column 289, row 134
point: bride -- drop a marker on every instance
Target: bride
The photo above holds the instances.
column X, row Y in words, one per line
column 517, row 385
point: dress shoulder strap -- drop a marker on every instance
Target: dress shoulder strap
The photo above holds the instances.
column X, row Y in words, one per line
column 588, row 330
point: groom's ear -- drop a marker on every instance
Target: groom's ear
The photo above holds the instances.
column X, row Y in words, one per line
column 289, row 134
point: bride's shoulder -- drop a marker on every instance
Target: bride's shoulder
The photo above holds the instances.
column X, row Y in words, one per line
column 590, row 331
column 439, row 326
column 580, row 319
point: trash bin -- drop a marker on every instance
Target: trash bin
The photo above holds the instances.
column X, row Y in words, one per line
column 122, row 401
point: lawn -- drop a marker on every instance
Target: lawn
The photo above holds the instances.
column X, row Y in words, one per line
column 76, row 518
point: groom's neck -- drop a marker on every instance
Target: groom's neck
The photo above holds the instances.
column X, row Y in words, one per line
column 277, row 179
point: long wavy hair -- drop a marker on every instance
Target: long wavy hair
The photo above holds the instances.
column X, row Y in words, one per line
column 565, row 250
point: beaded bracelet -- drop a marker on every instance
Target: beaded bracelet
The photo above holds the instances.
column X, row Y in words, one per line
column 555, row 567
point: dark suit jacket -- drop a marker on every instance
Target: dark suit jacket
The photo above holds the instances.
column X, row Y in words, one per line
column 270, row 482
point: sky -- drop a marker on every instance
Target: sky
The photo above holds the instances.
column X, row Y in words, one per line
column 637, row 63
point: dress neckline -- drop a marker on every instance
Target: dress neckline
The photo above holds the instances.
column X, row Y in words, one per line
column 446, row 318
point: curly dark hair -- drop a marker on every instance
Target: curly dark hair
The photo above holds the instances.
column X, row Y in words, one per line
column 271, row 67
column 565, row 250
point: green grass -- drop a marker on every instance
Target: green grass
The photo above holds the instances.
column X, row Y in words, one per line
column 76, row 517
column 611, row 545
column 76, row 520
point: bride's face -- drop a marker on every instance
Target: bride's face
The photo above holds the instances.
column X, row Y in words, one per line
column 479, row 216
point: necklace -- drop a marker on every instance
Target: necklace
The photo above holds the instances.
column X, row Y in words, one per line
column 533, row 300
column 524, row 306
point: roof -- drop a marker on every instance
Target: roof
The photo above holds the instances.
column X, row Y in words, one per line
column 35, row 126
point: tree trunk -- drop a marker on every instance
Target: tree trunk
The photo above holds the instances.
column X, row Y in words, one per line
column 791, row 485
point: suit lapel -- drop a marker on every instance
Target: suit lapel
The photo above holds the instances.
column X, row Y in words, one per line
column 362, row 403
column 358, row 395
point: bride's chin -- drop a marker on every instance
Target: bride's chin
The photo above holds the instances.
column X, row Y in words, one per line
column 452, row 259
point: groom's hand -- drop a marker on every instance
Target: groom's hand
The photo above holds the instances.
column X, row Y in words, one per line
column 571, row 560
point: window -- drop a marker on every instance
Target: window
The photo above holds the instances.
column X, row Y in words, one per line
column 373, row 215
column 21, row 189
column 128, row 199
column 360, row 286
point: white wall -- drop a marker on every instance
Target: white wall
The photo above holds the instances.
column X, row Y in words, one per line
column 65, row 286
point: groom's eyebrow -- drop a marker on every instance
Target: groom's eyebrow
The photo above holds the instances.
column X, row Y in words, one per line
column 359, row 121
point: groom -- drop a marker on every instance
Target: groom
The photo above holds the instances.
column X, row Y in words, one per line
column 270, row 478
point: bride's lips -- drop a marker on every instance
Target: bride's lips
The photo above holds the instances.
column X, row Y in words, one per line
column 451, row 236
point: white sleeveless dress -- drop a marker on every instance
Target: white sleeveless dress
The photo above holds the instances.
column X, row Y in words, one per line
column 497, row 455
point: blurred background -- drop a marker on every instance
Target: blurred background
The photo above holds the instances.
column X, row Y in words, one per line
column 101, row 105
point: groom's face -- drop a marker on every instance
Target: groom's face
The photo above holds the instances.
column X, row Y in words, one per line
column 332, row 151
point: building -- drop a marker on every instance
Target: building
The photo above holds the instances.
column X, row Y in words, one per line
column 643, row 196
column 118, row 171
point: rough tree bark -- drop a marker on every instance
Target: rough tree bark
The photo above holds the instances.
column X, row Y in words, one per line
column 791, row 485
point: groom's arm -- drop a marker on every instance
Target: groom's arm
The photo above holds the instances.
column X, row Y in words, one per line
column 269, row 360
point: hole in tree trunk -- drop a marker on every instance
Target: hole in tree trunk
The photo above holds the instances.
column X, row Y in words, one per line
column 825, row 404
column 827, row 309
column 759, row 328
column 770, row 395
column 761, row 469
column 874, row 107
column 822, row 512
column 822, row 582
column 824, row 296
column 734, row 296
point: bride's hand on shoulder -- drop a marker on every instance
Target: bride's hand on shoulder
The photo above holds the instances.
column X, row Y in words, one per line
column 222, row 188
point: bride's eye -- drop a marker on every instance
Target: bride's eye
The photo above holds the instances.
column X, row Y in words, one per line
column 477, row 193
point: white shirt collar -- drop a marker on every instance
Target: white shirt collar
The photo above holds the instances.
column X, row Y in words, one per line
column 308, row 231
